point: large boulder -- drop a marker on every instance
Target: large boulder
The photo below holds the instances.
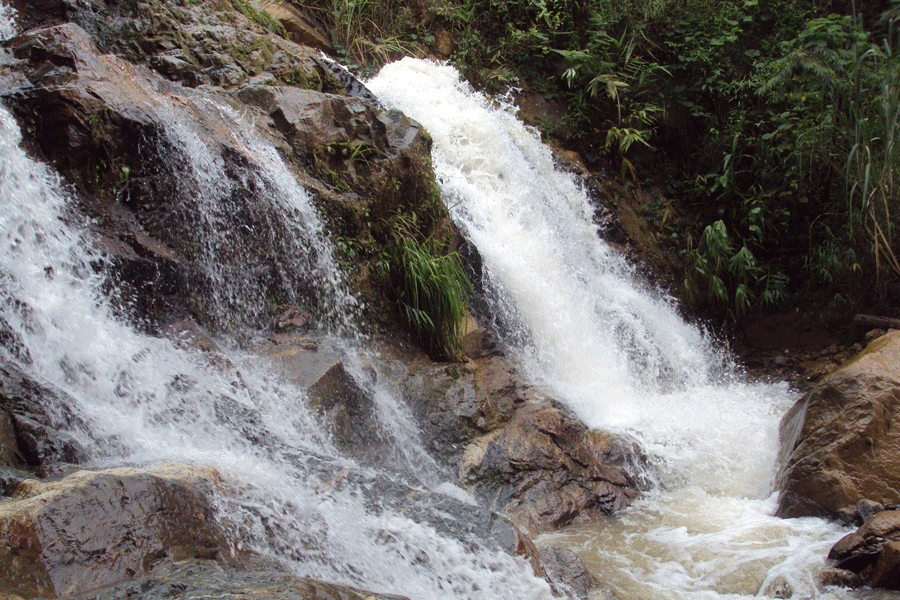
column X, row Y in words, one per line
column 546, row 469
column 129, row 140
column 93, row 529
column 30, row 415
column 841, row 441
column 519, row 452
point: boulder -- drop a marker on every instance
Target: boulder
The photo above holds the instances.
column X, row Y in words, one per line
column 545, row 469
column 332, row 393
column 93, row 529
column 872, row 551
column 199, row 579
column 567, row 574
column 841, row 441
column 519, row 452
column 113, row 129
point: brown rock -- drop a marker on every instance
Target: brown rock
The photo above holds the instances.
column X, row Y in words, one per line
column 841, row 578
column 536, row 110
column 299, row 30
column 872, row 551
column 545, row 469
column 93, row 529
column 841, row 441
column 443, row 43
column 204, row 579
column 10, row 456
column 886, row 572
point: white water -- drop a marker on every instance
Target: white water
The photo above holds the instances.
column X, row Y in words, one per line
column 142, row 400
column 576, row 316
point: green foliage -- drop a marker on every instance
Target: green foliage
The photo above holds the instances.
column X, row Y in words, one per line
column 370, row 32
column 719, row 275
column 853, row 84
column 260, row 17
column 432, row 289
column 774, row 123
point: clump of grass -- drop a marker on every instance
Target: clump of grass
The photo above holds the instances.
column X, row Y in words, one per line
column 432, row 289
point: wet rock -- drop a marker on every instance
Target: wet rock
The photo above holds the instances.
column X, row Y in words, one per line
column 841, row 441
column 10, row 455
column 567, row 574
column 93, row 529
column 549, row 115
column 872, row 551
column 518, row 452
column 473, row 526
column 841, row 578
column 545, row 469
column 106, row 125
column 350, row 143
column 298, row 29
column 204, row 579
column 455, row 403
column 35, row 411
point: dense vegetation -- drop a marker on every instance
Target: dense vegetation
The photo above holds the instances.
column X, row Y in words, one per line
column 770, row 127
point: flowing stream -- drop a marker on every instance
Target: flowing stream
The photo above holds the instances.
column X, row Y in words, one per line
column 571, row 310
column 578, row 318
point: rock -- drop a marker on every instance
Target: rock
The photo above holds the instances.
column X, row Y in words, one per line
column 10, row 455
column 841, row 441
column 566, row 573
column 872, row 551
column 545, row 469
column 35, row 410
column 200, row 579
column 841, row 578
column 443, row 43
column 886, row 572
column 299, row 30
column 93, row 529
column 517, row 451
column 473, row 526
column 344, row 408
column 549, row 115
column 107, row 126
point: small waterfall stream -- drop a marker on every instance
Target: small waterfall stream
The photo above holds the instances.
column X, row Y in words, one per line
column 577, row 317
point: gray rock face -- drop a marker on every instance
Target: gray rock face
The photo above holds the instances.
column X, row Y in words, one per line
column 106, row 124
column 545, row 469
column 29, row 414
column 841, row 441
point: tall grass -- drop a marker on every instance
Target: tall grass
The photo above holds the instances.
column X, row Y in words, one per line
column 433, row 289
column 874, row 158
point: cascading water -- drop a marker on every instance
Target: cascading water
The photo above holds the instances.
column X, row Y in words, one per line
column 616, row 351
column 135, row 399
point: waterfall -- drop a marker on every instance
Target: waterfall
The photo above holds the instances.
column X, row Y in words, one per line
column 580, row 320
column 131, row 398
